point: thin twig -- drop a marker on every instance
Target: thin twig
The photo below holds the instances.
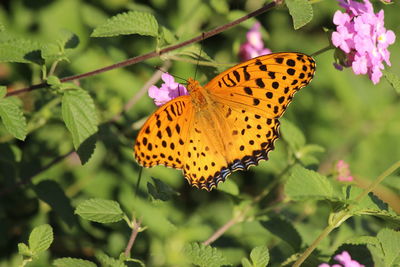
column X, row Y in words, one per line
column 134, row 233
column 239, row 217
column 137, row 59
column 217, row 234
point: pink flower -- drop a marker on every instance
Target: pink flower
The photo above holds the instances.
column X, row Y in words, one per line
column 360, row 34
column 345, row 261
column 343, row 171
column 254, row 46
column 168, row 90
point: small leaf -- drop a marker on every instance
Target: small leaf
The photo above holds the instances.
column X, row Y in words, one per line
column 390, row 243
column 79, row 115
column 13, row 118
column 161, row 190
column 133, row 22
column 24, row 250
column 301, row 12
column 246, row 263
column 100, row 210
column 305, row 184
column 370, row 205
column 230, row 187
column 393, row 79
column 20, row 51
column 204, row 256
column 66, row 41
column 292, row 135
column 41, row 238
column 284, row 230
column 107, row 261
column 53, row 81
column 51, row 192
column 259, row 256
column 72, row 262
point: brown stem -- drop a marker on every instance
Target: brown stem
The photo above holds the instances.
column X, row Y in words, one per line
column 137, row 59
column 134, row 233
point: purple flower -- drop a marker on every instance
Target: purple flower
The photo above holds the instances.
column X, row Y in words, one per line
column 168, row 90
column 254, row 46
column 360, row 34
column 345, row 261
column 343, row 171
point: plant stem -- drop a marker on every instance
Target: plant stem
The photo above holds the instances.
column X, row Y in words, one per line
column 134, row 233
column 156, row 53
column 321, row 51
column 378, row 180
column 240, row 217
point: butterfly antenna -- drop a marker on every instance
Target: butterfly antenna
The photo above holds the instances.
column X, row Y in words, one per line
column 173, row 75
column 198, row 58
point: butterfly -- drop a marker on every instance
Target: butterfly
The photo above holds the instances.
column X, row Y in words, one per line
column 229, row 124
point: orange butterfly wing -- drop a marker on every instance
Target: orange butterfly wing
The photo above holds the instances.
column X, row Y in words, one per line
column 228, row 125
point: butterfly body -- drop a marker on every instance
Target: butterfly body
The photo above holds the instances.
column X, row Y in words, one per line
column 229, row 124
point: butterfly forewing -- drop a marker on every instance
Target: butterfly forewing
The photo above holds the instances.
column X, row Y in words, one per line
column 264, row 85
column 162, row 139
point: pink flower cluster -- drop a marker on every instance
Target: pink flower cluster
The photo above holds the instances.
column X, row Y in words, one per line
column 168, row 90
column 254, row 46
column 343, row 170
column 361, row 35
column 345, row 261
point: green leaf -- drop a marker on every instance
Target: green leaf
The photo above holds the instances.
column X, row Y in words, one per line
column 51, row 192
column 306, row 184
column 363, row 240
column 204, row 256
column 393, row 79
column 259, row 256
column 20, row 51
column 301, row 12
column 246, row 263
column 161, row 190
column 13, row 118
column 66, row 41
column 107, row 261
column 41, row 238
column 54, row 81
column 133, row 22
column 166, row 37
column 390, row 243
column 284, row 230
column 24, row 250
column 100, row 210
column 230, row 187
column 72, row 262
column 80, row 116
column 306, row 154
column 370, row 205
column 292, row 135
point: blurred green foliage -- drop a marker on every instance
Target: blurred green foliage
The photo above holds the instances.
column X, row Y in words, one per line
column 338, row 116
